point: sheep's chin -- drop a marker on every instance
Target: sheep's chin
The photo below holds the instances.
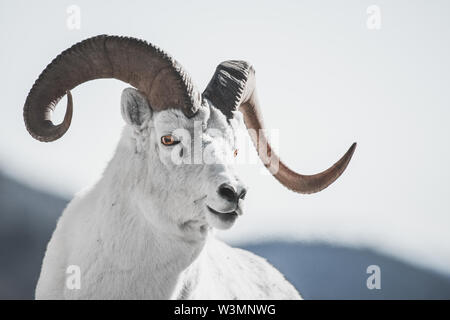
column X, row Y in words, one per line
column 221, row 221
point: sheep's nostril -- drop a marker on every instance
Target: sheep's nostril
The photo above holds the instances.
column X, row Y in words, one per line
column 242, row 194
column 228, row 192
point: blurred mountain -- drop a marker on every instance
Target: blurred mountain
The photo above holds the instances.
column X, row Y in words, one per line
column 324, row 271
column 320, row 271
column 27, row 220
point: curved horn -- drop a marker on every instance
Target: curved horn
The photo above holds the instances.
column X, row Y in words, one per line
column 233, row 88
column 142, row 65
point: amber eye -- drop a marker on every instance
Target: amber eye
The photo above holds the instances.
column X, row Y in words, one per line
column 169, row 140
column 236, row 152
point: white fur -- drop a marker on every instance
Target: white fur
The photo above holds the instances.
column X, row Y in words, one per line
column 143, row 231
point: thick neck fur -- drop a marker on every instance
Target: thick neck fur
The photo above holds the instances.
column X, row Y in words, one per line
column 135, row 237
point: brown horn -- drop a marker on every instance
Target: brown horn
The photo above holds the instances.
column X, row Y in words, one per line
column 144, row 66
column 233, row 88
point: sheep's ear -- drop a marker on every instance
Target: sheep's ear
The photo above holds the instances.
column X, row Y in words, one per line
column 134, row 107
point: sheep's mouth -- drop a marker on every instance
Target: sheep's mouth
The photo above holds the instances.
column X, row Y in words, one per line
column 224, row 216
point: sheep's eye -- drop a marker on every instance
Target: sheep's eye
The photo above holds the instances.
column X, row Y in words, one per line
column 169, row 140
column 236, row 152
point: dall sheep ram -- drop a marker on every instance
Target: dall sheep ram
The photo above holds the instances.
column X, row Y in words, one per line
column 143, row 231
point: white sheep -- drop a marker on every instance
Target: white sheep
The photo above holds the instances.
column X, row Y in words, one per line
column 144, row 230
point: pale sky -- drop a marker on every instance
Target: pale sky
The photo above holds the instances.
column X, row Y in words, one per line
column 324, row 81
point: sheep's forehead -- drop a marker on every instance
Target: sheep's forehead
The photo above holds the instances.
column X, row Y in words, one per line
column 167, row 121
